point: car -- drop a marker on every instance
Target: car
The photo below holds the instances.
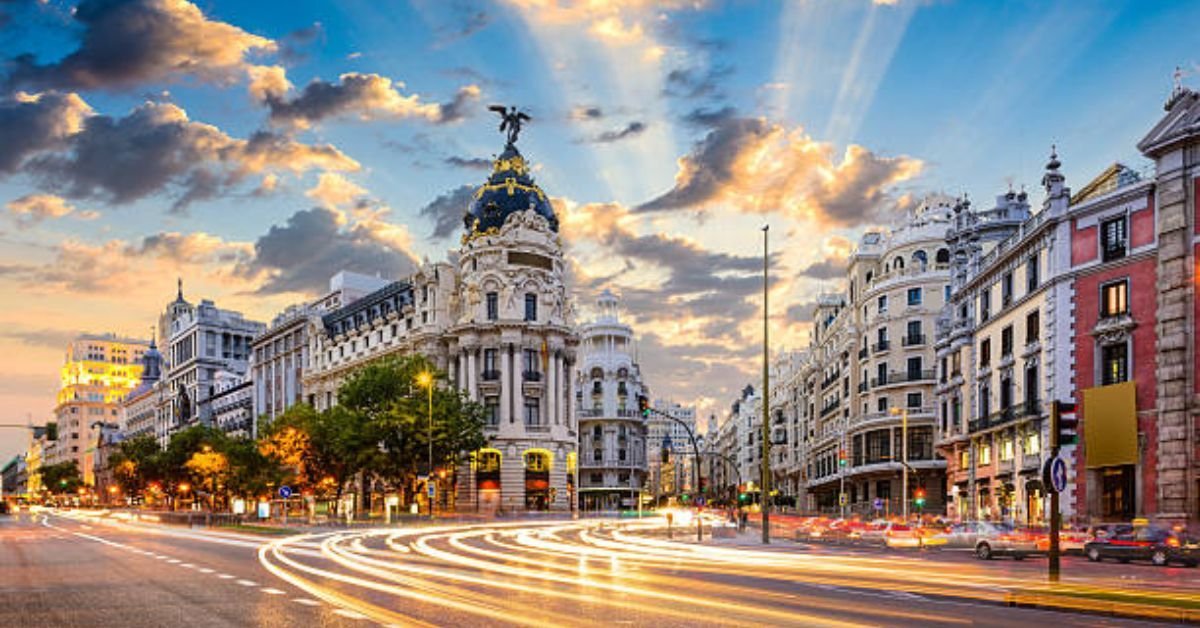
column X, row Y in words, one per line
column 1156, row 544
column 1002, row 539
column 957, row 536
column 891, row 534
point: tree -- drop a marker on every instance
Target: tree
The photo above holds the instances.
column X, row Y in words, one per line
column 62, row 477
column 183, row 445
column 210, row 469
column 136, row 463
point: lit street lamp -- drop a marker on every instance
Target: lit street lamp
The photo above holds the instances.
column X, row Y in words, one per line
column 425, row 378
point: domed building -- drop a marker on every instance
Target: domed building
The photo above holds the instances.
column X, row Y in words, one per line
column 497, row 319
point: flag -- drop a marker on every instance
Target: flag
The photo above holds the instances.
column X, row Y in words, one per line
column 545, row 355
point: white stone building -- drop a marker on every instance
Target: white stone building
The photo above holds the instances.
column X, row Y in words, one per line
column 612, row 433
column 497, row 319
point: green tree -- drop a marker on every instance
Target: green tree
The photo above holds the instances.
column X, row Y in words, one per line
column 62, row 477
column 183, row 445
column 136, row 463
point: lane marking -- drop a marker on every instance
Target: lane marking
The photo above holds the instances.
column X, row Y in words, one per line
column 349, row 613
column 187, row 565
column 174, row 561
column 224, row 576
column 306, row 601
column 206, row 570
column 247, row 583
column 271, row 591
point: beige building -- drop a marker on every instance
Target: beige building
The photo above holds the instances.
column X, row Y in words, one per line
column 99, row 370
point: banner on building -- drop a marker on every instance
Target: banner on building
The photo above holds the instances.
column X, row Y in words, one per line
column 1110, row 425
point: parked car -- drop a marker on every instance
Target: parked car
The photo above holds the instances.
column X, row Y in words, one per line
column 1002, row 539
column 1156, row 544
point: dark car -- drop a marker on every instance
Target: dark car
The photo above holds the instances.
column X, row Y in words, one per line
column 1153, row 543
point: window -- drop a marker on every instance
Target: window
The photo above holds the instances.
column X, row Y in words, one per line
column 985, row 401
column 491, row 407
column 1006, row 450
column 914, row 296
column 1031, row 274
column 1113, row 234
column 914, row 368
column 597, row 478
column 914, row 400
column 881, row 374
column 532, row 416
column 493, row 306
column 597, row 455
column 985, row 455
column 529, row 357
column 914, row 334
column 1006, row 341
column 530, row 306
column 1032, row 327
column 985, row 352
column 985, row 305
column 1114, row 299
column 882, row 404
column 621, row 455
column 1033, row 443
column 882, row 303
column 489, row 362
column 964, row 459
column 1114, row 364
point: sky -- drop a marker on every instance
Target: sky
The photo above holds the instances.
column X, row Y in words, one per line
column 256, row 148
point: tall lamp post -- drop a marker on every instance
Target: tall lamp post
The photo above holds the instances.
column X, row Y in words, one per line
column 766, row 405
column 903, row 412
column 425, row 378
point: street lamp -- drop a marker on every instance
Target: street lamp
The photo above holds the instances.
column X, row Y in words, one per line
column 903, row 412
column 425, row 378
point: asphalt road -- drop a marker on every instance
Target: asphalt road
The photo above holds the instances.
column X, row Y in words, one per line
column 65, row 571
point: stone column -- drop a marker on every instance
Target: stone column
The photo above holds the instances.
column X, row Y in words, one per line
column 552, row 391
column 471, row 375
column 506, row 388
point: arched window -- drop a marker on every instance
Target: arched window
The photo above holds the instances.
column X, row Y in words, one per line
column 920, row 259
column 899, row 263
column 943, row 256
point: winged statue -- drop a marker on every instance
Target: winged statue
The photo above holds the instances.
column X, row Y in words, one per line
column 510, row 121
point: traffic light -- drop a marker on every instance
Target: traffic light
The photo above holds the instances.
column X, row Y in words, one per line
column 1066, row 421
column 841, row 457
column 920, row 498
column 644, row 406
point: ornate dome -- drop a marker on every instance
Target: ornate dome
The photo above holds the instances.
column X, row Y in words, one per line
column 508, row 190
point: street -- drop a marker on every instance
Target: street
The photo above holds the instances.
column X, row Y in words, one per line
column 74, row 570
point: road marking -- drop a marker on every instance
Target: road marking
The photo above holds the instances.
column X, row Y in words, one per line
column 345, row 612
column 247, row 583
column 160, row 557
column 187, row 565
column 306, row 601
column 206, row 570
column 271, row 591
column 225, row 576
column 174, row 561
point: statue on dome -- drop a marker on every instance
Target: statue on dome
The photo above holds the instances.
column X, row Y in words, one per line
column 510, row 120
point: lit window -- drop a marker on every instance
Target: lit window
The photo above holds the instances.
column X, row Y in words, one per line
column 1114, row 364
column 1114, row 299
column 985, row 455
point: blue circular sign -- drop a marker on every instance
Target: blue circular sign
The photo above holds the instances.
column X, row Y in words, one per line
column 1058, row 474
column 285, row 491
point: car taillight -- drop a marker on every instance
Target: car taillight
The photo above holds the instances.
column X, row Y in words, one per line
column 1172, row 541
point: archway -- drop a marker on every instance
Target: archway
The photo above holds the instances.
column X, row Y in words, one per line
column 487, row 479
column 537, row 479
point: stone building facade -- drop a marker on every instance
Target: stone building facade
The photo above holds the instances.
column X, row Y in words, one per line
column 497, row 319
column 612, row 433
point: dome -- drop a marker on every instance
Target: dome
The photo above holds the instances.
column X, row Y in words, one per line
column 508, row 190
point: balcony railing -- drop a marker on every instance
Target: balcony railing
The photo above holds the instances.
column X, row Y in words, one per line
column 862, row 353
column 587, row 413
column 531, row 376
column 901, row 377
column 913, row 340
column 862, row 386
column 831, row 378
column 882, row 345
column 491, row 376
column 1007, row 415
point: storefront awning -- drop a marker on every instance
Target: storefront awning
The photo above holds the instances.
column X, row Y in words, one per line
column 1110, row 425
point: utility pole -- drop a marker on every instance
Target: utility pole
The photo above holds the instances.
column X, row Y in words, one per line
column 766, row 402
column 1053, row 564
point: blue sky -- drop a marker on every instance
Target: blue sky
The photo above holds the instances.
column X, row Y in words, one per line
column 668, row 132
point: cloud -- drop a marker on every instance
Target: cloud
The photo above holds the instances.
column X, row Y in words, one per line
column 154, row 148
column 447, row 211
column 801, row 312
column 139, row 41
column 693, row 84
column 470, row 163
column 709, row 118
column 465, row 20
column 32, row 209
column 632, row 129
column 757, row 166
column 362, row 96
column 826, row 269
column 584, row 112
column 613, row 22
column 293, row 46
column 32, row 123
column 333, row 191
column 56, row 339
column 301, row 255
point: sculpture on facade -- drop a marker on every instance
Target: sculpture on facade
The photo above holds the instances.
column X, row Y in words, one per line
column 511, row 121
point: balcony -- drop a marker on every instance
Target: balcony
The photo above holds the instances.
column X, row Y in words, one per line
column 627, row 413
column 881, row 346
column 830, row 407
column 902, row 377
column 537, row 427
column 862, row 353
column 862, row 386
column 995, row 419
column 531, row 376
column 491, row 376
column 831, row 378
column 913, row 340
column 590, row 413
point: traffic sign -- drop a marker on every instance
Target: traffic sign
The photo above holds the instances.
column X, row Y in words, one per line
column 432, row 488
column 285, row 491
column 1054, row 475
column 843, row 499
column 878, row 504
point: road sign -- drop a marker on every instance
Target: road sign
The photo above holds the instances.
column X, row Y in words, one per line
column 432, row 488
column 1054, row 475
column 843, row 499
column 285, row 491
column 878, row 504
